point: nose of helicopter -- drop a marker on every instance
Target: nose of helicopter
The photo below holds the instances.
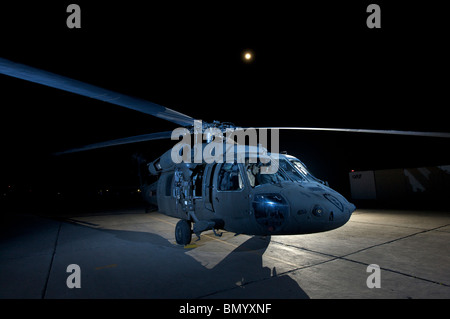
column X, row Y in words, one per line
column 349, row 208
column 320, row 210
column 339, row 209
column 330, row 216
column 336, row 218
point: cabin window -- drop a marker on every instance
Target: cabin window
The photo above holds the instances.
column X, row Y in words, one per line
column 197, row 180
column 230, row 178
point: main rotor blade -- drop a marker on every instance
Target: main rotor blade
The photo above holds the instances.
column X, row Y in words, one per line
column 352, row 130
column 168, row 134
column 31, row 74
column 120, row 141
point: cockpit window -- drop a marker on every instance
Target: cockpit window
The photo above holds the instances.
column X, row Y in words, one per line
column 302, row 169
column 256, row 178
column 230, row 178
column 294, row 174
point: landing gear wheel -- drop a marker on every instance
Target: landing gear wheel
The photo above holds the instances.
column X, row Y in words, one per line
column 183, row 232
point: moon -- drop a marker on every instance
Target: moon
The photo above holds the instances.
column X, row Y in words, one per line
column 248, row 56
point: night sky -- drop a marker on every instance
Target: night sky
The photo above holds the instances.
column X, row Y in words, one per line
column 315, row 65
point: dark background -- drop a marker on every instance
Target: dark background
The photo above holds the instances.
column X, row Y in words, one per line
column 315, row 65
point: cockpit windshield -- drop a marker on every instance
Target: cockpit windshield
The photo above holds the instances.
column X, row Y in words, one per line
column 301, row 168
column 291, row 171
column 257, row 178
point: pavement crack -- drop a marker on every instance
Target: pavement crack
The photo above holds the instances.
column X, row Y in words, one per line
column 385, row 225
column 395, row 240
column 44, row 289
column 345, row 257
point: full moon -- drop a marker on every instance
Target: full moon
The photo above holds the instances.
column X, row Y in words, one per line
column 248, row 56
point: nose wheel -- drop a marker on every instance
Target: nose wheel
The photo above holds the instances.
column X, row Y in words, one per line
column 183, row 232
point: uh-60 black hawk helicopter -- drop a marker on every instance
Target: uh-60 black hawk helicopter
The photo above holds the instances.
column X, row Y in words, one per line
column 241, row 193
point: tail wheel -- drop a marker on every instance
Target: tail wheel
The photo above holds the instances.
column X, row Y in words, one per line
column 183, row 232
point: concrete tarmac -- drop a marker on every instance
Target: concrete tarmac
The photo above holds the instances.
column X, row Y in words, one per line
column 130, row 254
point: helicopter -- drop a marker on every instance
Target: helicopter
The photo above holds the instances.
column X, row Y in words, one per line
column 245, row 189
column 236, row 196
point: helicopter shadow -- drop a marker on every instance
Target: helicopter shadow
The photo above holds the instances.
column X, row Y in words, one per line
column 244, row 268
column 165, row 270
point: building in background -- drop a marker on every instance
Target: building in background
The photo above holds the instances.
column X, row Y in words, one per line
column 429, row 184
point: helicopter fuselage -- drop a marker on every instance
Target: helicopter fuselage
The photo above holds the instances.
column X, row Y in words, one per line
column 227, row 196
